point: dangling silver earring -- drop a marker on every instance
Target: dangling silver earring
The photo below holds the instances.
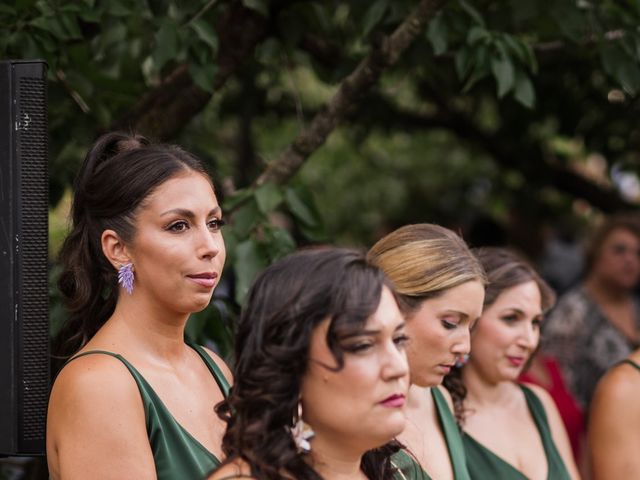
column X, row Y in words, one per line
column 126, row 277
column 301, row 432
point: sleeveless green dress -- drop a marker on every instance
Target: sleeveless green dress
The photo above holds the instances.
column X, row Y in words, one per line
column 410, row 469
column 176, row 454
column 484, row 464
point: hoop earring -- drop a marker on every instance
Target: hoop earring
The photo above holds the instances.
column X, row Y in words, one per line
column 301, row 432
column 126, row 277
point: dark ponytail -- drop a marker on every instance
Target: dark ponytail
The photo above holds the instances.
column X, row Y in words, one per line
column 119, row 172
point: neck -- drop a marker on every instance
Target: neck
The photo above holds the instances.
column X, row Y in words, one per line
column 603, row 292
column 335, row 459
column 153, row 329
column 483, row 391
column 418, row 398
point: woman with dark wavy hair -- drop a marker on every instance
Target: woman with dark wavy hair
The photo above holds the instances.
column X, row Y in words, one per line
column 321, row 373
column 511, row 431
column 134, row 400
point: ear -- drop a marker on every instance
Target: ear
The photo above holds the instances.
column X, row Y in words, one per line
column 114, row 249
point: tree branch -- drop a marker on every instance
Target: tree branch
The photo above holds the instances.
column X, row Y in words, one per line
column 349, row 93
column 162, row 112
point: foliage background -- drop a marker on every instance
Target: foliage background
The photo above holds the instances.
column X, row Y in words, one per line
column 513, row 115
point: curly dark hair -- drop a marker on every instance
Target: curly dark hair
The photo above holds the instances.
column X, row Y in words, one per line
column 504, row 269
column 285, row 305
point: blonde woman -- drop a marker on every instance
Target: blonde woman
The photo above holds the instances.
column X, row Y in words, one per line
column 440, row 288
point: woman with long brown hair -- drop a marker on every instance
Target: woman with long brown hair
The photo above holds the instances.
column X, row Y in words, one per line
column 511, row 431
column 134, row 400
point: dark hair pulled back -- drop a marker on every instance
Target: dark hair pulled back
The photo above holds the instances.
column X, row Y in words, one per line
column 285, row 305
column 504, row 269
column 118, row 173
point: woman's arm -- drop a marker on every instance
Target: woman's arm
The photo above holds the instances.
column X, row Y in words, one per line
column 96, row 424
column 558, row 432
column 614, row 425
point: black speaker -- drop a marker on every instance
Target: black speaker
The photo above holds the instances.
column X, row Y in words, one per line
column 24, row 300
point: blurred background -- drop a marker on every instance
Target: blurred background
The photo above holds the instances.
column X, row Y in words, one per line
column 513, row 122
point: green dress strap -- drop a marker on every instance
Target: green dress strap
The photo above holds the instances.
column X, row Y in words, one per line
column 176, row 453
column 630, row 362
column 408, row 467
column 484, row 464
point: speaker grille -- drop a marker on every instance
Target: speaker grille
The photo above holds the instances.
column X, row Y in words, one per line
column 32, row 144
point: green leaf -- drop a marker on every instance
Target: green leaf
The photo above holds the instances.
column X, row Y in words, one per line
column 629, row 77
column 374, row 15
column 621, row 66
column 119, row 8
column 570, row 20
column 206, row 33
column 463, row 62
column 504, row 73
column 279, row 242
column 481, row 67
column 472, row 12
column 524, row 92
column 268, row 197
column 166, row 44
column 301, row 206
column 246, row 218
column 259, row 6
column 437, row 33
column 237, row 198
column 203, row 75
column 50, row 25
column 250, row 260
column 477, row 34
column 70, row 24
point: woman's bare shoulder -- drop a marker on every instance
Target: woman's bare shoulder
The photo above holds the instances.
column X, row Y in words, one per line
column 96, row 415
column 620, row 386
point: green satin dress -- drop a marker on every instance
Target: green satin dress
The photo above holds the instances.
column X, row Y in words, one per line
column 484, row 464
column 410, row 469
column 176, row 453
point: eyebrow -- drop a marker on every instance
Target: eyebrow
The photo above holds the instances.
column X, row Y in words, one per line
column 188, row 213
column 369, row 332
column 457, row 312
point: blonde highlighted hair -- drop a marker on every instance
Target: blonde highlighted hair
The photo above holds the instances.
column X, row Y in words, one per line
column 424, row 260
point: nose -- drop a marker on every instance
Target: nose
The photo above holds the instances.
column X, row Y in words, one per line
column 529, row 336
column 462, row 343
column 209, row 244
column 395, row 365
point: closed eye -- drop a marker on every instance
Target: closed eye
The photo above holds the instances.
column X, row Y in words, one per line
column 359, row 347
column 401, row 340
